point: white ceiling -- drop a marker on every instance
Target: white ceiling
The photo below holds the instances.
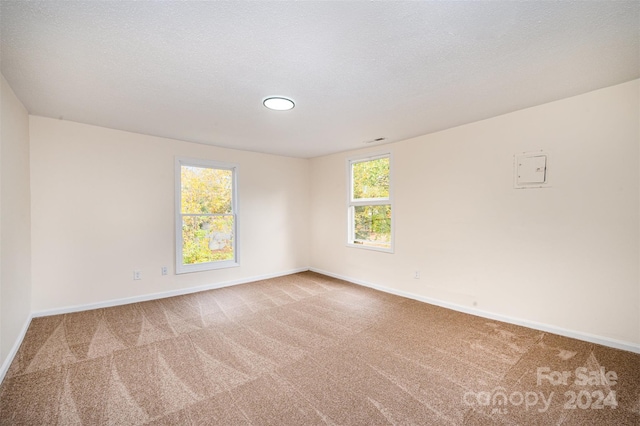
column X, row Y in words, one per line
column 198, row 71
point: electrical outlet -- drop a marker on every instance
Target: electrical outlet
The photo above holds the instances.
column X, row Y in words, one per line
column 164, row 270
column 416, row 275
column 137, row 275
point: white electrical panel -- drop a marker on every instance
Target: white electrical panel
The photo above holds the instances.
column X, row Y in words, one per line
column 531, row 170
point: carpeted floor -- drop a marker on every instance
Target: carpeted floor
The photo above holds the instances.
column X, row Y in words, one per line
column 307, row 349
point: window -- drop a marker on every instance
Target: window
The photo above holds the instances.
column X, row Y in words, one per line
column 206, row 215
column 370, row 203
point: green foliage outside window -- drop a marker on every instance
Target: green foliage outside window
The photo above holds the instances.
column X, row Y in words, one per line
column 371, row 222
column 371, row 179
column 208, row 220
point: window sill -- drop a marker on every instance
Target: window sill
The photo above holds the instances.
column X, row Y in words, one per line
column 373, row 248
column 211, row 266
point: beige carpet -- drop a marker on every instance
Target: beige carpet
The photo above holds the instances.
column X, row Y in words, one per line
column 307, row 349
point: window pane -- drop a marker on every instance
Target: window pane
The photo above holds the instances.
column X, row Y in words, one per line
column 207, row 239
column 371, row 179
column 372, row 225
column 205, row 190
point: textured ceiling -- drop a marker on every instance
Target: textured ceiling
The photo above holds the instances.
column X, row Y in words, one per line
column 198, row 71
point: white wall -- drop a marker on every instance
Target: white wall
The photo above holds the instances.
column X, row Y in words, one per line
column 566, row 256
column 15, row 227
column 103, row 205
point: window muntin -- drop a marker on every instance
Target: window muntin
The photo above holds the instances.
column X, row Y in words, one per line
column 206, row 215
column 370, row 205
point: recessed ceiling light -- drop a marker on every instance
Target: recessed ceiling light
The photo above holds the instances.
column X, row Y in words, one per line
column 278, row 103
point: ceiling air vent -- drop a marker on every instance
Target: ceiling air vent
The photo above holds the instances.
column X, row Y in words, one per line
column 376, row 140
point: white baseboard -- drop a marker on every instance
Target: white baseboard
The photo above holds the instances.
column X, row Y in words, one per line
column 116, row 302
column 626, row 346
column 14, row 349
column 161, row 295
column 605, row 341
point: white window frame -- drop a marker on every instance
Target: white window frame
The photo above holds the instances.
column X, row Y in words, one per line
column 351, row 203
column 180, row 267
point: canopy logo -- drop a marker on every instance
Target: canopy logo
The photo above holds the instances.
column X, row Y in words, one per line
column 500, row 400
column 597, row 397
